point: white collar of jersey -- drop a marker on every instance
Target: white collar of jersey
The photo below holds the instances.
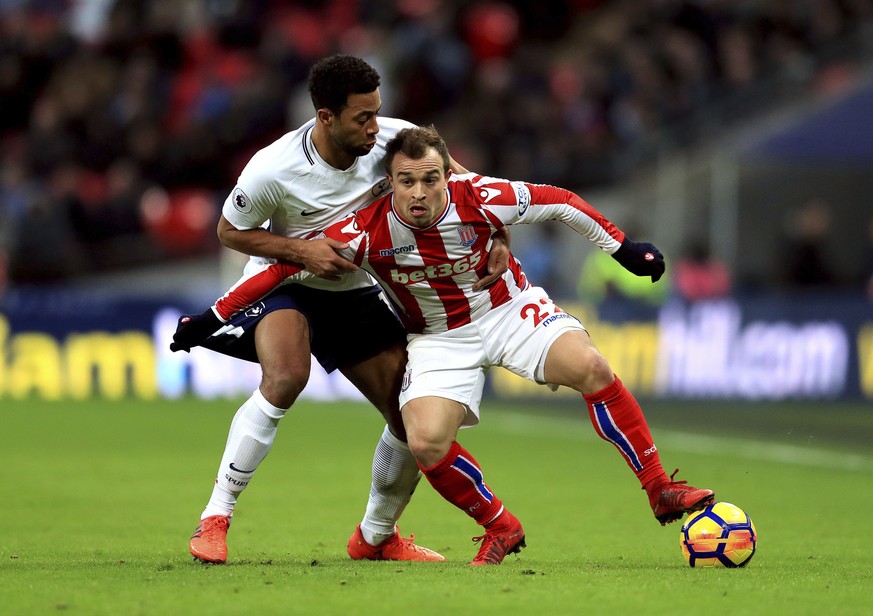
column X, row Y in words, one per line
column 412, row 227
column 314, row 157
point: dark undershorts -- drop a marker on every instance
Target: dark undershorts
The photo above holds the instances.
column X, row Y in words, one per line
column 345, row 327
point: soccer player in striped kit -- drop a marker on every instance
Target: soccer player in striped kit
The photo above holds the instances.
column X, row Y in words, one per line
column 426, row 246
column 290, row 190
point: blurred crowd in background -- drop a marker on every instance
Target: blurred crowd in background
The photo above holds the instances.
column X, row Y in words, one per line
column 125, row 123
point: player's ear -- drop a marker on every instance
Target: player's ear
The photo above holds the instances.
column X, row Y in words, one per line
column 325, row 116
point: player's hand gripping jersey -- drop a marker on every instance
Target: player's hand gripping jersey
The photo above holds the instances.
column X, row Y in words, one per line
column 429, row 272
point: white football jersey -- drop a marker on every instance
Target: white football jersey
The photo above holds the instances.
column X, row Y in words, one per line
column 288, row 189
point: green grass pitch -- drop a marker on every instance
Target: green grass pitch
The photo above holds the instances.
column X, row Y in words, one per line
column 100, row 499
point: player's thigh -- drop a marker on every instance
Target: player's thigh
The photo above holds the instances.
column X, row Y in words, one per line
column 349, row 327
column 573, row 360
column 432, row 424
column 379, row 377
column 282, row 343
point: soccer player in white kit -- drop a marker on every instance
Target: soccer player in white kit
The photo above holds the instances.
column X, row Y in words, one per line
column 426, row 245
column 287, row 193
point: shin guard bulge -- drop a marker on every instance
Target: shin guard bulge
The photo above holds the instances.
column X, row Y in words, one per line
column 618, row 419
column 395, row 476
column 249, row 440
column 458, row 478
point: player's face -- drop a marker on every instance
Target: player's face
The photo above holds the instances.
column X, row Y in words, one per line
column 419, row 188
column 354, row 130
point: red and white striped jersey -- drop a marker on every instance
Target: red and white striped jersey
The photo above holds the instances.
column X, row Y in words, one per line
column 429, row 272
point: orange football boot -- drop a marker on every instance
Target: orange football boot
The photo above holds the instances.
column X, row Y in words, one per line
column 209, row 542
column 393, row 548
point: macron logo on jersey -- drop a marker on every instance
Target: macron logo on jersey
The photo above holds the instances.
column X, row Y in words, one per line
column 396, row 250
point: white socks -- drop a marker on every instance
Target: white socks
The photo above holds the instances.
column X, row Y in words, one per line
column 249, row 441
column 395, row 475
column 395, row 472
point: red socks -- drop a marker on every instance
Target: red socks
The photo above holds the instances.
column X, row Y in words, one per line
column 618, row 418
column 458, row 478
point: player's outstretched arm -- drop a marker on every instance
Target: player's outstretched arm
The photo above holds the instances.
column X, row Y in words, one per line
column 193, row 330
column 249, row 289
column 550, row 202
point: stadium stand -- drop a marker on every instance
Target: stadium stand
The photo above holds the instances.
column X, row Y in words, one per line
column 125, row 123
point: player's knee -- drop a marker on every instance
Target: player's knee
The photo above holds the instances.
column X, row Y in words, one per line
column 427, row 449
column 283, row 386
column 595, row 373
column 601, row 371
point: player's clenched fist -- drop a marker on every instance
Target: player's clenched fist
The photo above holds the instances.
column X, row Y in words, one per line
column 640, row 258
column 193, row 329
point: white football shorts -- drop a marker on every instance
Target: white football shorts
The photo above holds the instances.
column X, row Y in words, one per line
column 516, row 336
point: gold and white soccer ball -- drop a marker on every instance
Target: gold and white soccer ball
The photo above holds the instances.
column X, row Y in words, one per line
column 721, row 535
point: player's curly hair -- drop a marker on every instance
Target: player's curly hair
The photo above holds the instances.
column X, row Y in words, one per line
column 414, row 143
column 334, row 78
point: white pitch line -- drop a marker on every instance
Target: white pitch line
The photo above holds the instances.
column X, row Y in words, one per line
column 580, row 429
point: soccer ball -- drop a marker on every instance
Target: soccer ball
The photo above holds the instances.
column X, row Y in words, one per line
column 721, row 535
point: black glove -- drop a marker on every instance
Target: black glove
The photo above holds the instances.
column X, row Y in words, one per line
column 193, row 329
column 640, row 258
